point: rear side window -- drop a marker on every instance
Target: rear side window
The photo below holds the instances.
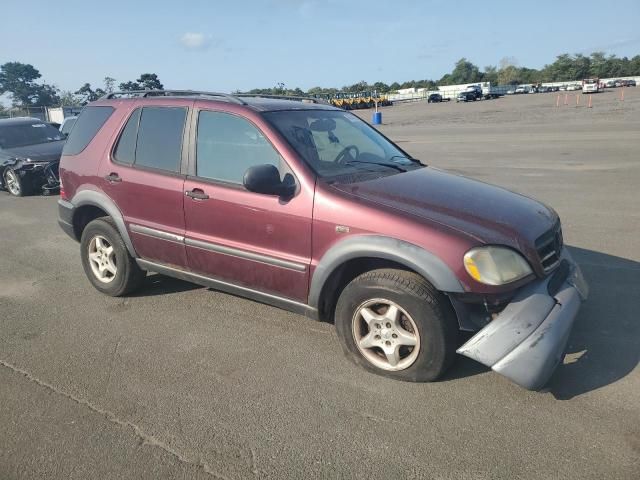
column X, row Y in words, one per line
column 126, row 150
column 159, row 142
column 89, row 122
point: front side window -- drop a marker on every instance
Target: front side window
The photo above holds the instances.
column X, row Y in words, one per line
column 159, row 143
column 336, row 143
column 227, row 145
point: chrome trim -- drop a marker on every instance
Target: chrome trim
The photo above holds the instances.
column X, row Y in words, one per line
column 548, row 268
column 152, row 232
column 268, row 298
column 214, row 247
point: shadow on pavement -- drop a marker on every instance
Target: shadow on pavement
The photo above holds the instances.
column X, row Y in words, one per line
column 604, row 345
column 156, row 284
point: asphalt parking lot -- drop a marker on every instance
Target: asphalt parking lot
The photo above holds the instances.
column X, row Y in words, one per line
column 180, row 381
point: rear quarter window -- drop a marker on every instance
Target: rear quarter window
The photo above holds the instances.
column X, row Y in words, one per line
column 87, row 126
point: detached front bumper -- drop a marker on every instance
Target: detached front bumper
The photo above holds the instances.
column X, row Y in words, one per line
column 526, row 341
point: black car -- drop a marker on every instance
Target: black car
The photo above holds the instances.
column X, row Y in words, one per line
column 466, row 97
column 434, row 98
column 30, row 152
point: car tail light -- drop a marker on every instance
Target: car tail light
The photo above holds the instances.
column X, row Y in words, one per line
column 63, row 195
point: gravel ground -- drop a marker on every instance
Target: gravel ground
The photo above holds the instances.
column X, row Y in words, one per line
column 180, row 381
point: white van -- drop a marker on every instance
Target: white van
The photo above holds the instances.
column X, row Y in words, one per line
column 591, row 85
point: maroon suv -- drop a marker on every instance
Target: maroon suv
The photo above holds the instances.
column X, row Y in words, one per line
column 308, row 208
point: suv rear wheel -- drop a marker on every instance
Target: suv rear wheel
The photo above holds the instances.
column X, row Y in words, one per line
column 106, row 260
column 395, row 324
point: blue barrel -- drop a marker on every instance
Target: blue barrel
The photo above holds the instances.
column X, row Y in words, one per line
column 377, row 118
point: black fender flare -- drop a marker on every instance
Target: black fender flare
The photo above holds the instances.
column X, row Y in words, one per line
column 102, row 201
column 424, row 262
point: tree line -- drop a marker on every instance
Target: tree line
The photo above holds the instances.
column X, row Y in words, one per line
column 21, row 81
column 566, row 67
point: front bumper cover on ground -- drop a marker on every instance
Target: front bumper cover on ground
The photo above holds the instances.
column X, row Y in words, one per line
column 526, row 341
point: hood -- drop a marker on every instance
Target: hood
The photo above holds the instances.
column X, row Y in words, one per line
column 40, row 152
column 489, row 214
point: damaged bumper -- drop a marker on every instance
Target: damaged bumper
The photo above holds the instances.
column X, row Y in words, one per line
column 526, row 341
column 40, row 175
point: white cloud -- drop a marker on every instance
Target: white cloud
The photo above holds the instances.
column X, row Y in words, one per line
column 195, row 40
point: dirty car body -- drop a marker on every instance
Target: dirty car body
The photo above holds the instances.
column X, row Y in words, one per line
column 342, row 203
column 31, row 149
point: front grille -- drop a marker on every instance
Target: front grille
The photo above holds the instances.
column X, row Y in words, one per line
column 549, row 248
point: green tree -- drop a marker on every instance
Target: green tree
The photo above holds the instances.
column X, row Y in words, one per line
column 18, row 80
column 381, row 87
column 130, row 86
column 598, row 67
column 150, row 81
column 490, row 74
column 509, row 75
column 87, row 94
column 109, row 84
column 69, row 99
column 465, row 72
column 45, row 96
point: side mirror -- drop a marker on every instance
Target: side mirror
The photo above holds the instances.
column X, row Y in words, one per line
column 266, row 179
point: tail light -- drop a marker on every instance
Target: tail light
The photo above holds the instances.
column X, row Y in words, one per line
column 63, row 195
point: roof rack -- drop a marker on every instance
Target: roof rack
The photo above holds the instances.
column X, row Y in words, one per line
column 299, row 98
column 172, row 93
column 196, row 93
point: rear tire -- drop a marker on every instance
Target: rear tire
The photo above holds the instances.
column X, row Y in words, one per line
column 106, row 260
column 395, row 324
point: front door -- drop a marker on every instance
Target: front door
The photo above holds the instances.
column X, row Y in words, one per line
column 257, row 241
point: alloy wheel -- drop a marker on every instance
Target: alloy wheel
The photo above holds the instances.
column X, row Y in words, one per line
column 102, row 259
column 12, row 182
column 385, row 334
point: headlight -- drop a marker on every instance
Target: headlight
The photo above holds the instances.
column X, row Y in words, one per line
column 495, row 265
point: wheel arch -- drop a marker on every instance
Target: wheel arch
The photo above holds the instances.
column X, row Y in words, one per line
column 355, row 255
column 89, row 205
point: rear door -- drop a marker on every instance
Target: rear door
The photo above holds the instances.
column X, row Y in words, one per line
column 254, row 240
column 144, row 176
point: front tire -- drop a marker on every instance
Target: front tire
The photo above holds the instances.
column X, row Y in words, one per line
column 15, row 185
column 395, row 324
column 106, row 260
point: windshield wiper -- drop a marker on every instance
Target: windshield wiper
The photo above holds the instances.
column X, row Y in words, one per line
column 414, row 160
column 382, row 164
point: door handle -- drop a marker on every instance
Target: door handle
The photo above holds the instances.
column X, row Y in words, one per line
column 113, row 178
column 197, row 194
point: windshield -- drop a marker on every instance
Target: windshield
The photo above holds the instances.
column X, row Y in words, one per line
column 24, row 134
column 336, row 143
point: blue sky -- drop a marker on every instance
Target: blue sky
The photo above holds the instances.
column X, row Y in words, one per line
column 241, row 44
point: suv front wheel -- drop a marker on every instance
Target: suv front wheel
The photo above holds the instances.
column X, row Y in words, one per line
column 395, row 324
column 106, row 260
